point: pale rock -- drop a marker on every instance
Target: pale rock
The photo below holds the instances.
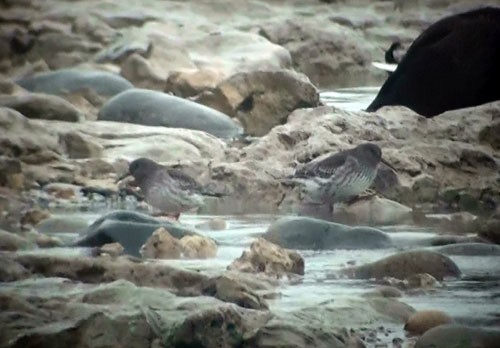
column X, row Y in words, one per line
column 198, row 247
column 161, row 245
column 266, row 257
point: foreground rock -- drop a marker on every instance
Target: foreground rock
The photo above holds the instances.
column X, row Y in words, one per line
column 407, row 263
column 42, row 106
column 130, row 229
column 153, row 108
column 454, row 335
column 422, row 321
column 315, row 234
column 268, row 258
column 241, row 96
column 67, row 81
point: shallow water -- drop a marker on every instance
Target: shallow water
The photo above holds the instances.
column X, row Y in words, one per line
column 472, row 300
column 350, row 99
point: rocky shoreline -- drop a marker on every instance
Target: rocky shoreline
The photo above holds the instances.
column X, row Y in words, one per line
column 73, row 72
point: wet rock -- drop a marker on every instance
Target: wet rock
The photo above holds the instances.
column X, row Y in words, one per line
column 42, row 106
column 139, row 71
column 198, row 247
column 490, row 229
column 461, row 222
column 158, row 109
column 112, row 249
column 422, row 321
column 308, row 233
column 161, row 245
column 62, row 190
column 270, row 259
column 78, row 145
column 420, row 280
column 67, row 81
column 44, row 241
column 242, row 96
column 470, row 249
column 213, row 224
column 34, row 216
column 61, row 224
column 231, row 289
column 452, row 239
column 454, row 335
column 405, row 264
column 96, row 168
column 329, row 57
column 12, row 242
column 130, row 229
column 373, row 211
column 11, row 175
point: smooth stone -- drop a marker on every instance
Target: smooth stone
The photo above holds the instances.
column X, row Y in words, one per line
column 422, row 321
column 154, row 108
column 66, row 81
column 405, row 264
column 130, row 229
column 459, row 336
column 61, row 224
column 316, row 234
column 42, row 106
column 470, row 249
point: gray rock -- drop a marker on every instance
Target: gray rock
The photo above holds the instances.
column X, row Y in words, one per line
column 67, row 81
column 405, row 264
column 42, row 106
column 153, row 108
column 309, row 233
column 459, row 336
column 130, row 229
column 470, row 249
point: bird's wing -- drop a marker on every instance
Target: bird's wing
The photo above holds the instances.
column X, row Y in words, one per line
column 323, row 168
column 183, row 181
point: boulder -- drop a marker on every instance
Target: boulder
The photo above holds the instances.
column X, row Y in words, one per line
column 12, row 242
column 158, row 109
column 470, row 249
column 42, row 106
column 130, row 229
column 424, row 320
column 315, row 234
column 198, row 247
column 138, row 70
column 161, row 245
column 329, row 56
column 262, row 99
column 21, row 137
column 129, row 141
column 78, row 145
column 455, row 335
column 374, row 211
column 405, row 264
column 270, row 259
column 68, row 81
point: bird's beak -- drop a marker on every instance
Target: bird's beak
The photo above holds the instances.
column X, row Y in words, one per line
column 125, row 175
column 388, row 165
